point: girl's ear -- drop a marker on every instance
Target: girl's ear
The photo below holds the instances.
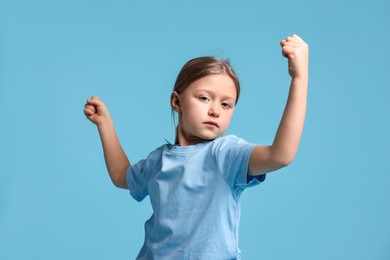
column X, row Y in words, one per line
column 175, row 101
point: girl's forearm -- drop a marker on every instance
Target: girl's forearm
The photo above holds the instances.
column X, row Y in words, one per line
column 290, row 129
column 116, row 160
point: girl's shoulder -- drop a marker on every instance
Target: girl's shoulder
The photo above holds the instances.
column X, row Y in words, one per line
column 228, row 141
column 156, row 154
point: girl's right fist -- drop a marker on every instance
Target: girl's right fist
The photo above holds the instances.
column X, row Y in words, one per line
column 95, row 110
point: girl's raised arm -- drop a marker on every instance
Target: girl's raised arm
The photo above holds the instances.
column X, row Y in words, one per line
column 116, row 159
column 285, row 145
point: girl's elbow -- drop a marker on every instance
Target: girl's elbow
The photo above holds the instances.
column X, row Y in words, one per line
column 284, row 161
column 119, row 180
column 120, row 184
column 283, row 156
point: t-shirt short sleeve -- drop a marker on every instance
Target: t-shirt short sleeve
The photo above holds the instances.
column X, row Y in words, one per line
column 232, row 154
column 138, row 175
column 137, row 180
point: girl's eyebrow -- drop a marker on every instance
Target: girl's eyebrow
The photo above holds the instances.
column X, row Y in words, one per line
column 213, row 94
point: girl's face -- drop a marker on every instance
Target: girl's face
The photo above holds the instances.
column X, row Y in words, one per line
column 205, row 108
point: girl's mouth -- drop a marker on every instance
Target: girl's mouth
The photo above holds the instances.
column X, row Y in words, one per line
column 212, row 123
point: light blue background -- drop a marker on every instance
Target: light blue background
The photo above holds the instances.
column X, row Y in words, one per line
column 56, row 200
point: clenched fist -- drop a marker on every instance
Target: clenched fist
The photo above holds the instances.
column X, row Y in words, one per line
column 297, row 53
column 95, row 110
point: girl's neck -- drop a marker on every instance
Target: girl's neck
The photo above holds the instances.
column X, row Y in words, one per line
column 182, row 139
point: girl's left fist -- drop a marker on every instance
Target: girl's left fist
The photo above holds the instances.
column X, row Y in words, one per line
column 296, row 51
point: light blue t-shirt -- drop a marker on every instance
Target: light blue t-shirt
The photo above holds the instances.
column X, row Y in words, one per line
column 195, row 193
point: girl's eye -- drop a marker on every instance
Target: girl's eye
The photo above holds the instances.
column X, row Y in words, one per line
column 204, row 98
column 226, row 105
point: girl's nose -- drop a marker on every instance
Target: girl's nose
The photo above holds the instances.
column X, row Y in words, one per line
column 214, row 110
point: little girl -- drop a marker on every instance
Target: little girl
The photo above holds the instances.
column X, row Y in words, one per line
column 195, row 185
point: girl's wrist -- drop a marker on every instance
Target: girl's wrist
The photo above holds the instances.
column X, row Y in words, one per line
column 105, row 121
column 300, row 78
